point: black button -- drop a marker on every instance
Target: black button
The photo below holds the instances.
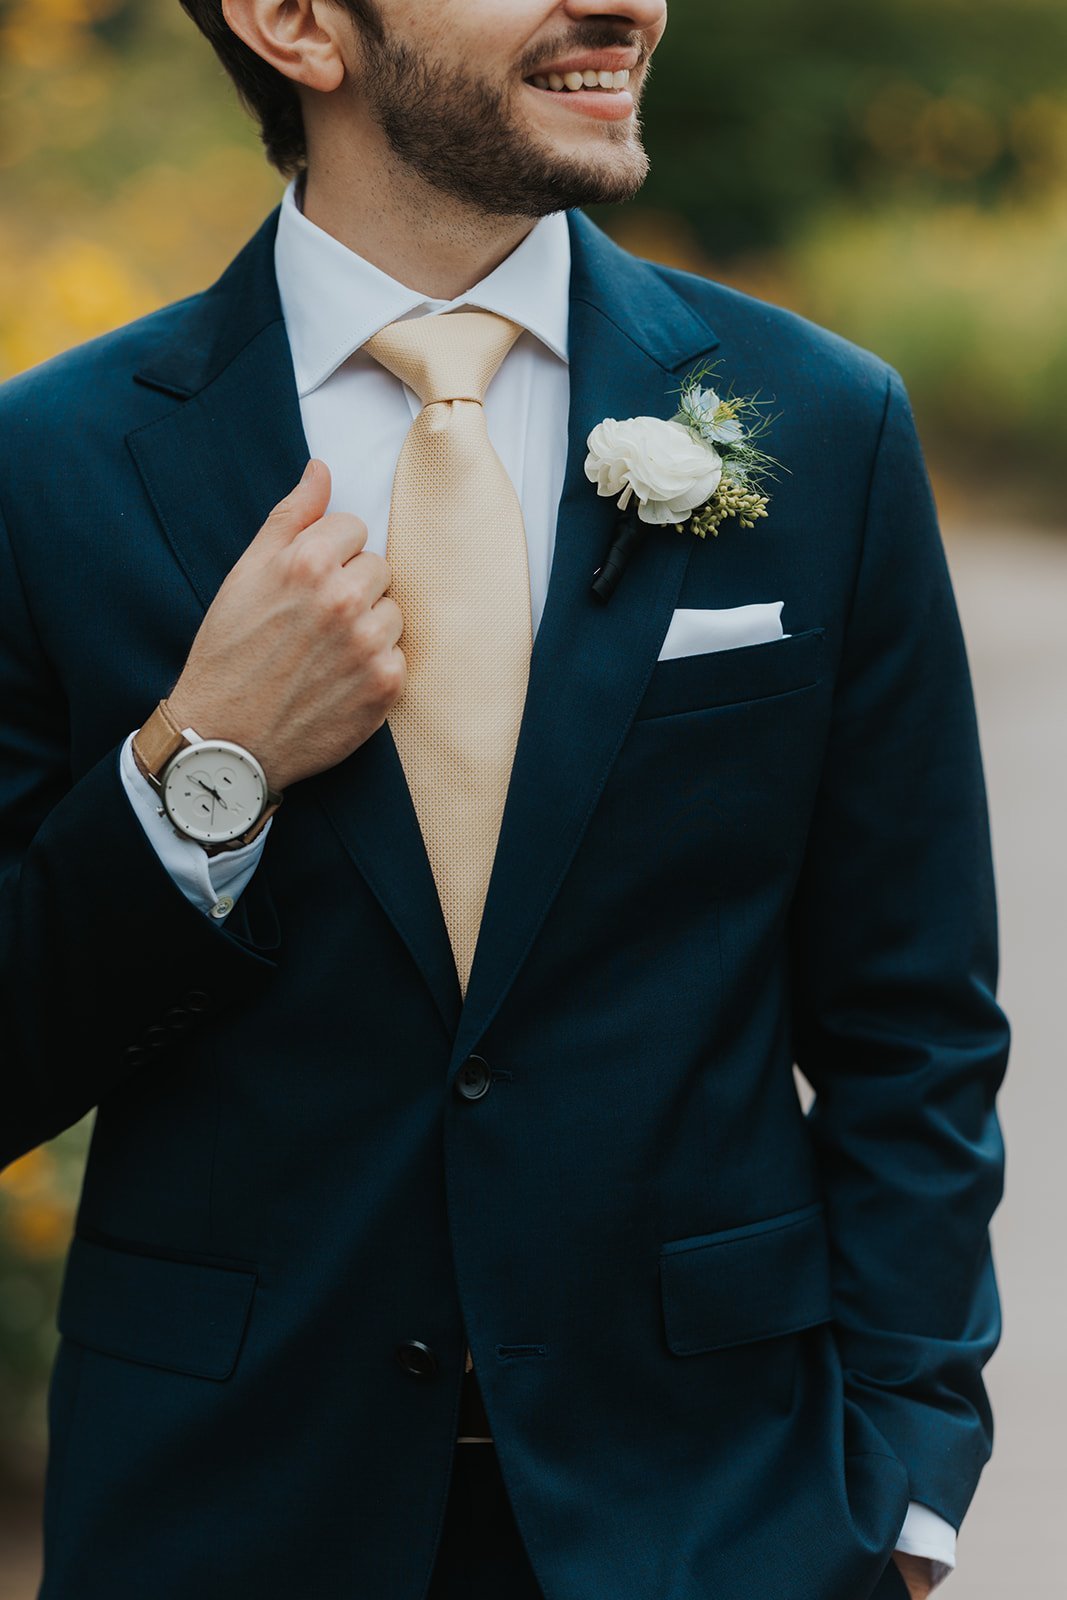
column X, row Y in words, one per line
column 473, row 1078
column 135, row 1056
column 416, row 1358
column 178, row 1019
column 156, row 1038
column 197, row 1000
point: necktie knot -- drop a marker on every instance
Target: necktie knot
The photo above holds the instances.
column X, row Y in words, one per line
column 454, row 356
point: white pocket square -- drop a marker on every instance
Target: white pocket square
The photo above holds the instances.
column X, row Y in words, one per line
column 695, row 632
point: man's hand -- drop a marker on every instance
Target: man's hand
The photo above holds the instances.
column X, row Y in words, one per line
column 917, row 1572
column 297, row 657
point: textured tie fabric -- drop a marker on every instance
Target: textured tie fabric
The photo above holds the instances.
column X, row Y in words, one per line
column 457, row 552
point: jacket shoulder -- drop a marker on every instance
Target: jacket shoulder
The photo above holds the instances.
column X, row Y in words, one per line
column 92, row 380
column 773, row 338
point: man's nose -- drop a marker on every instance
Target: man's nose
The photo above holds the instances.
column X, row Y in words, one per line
column 643, row 14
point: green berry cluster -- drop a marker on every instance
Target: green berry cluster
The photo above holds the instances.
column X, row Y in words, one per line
column 729, row 500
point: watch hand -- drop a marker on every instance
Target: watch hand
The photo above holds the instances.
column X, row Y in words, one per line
column 213, row 793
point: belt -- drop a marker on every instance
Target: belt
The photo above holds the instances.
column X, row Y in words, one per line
column 473, row 1426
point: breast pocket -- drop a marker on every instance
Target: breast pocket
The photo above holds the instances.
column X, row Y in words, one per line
column 727, row 677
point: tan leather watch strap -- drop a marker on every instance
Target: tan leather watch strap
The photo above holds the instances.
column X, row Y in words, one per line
column 275, row 801
column 155, row 743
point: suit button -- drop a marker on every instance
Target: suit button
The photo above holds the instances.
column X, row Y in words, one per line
column 416, row 1358
column 177, row 1019
column 473, row 1078
column 157, row 1038
column 197, row 1001
column 135, row 1056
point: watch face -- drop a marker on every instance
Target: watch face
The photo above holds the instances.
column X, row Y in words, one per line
column 214, row 791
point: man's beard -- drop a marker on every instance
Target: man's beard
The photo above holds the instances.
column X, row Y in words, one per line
column 457, row 133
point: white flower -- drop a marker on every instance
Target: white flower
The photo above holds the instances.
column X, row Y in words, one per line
column 669, row 470
column 715, row 417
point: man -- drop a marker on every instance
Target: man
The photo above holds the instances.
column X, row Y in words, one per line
column 437, row 953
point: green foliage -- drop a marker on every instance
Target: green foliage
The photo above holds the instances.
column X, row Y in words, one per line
column 38, row 1196
column 969, row 305
column 761, row 116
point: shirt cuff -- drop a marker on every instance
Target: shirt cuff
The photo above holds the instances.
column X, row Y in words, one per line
column 926, row 1534
column 211, row 883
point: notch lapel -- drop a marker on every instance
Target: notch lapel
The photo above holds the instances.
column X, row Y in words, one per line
column 214, row 466
column 629, row 336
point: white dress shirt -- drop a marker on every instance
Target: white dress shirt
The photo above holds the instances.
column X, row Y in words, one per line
column 356, row 417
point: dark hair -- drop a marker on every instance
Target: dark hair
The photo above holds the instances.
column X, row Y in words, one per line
column 267, row 94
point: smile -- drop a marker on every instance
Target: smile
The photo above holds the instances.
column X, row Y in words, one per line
column 573, row 82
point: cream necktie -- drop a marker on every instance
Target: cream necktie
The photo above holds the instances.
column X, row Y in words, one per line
column 460, row 575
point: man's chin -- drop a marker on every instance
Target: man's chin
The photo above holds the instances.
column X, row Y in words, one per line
column 602, row 171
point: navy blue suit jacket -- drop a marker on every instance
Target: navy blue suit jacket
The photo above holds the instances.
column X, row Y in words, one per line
column 722, row 1343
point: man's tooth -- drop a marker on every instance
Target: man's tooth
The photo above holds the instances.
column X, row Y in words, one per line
column 540, row 83
column 556, row 82
column 606, row 80
column 591, row 80
column 621, row 79
column 573, row 80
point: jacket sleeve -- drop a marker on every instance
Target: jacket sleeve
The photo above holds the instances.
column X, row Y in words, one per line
column 893, row 943
column 104, row 963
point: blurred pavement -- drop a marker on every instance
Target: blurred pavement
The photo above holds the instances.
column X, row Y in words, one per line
column 1012, row 592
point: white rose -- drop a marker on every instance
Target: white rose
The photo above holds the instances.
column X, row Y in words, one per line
column 669, row 470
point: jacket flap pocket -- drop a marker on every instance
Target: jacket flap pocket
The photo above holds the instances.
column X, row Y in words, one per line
column 770, row 1277
column 181, row 1315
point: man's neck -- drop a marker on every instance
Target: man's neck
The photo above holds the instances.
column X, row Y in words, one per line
column 420, row 237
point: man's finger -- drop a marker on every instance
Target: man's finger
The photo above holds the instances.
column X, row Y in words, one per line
column 340, row 533
column 302, row 506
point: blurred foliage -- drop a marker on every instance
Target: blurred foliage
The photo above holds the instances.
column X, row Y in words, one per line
column 760, row 117
column 38, row 1195
column 896, row 170
column 128, row 174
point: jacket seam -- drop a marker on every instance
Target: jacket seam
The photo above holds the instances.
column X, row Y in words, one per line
column 5, row 529
column 868, row 502
column 143, row 376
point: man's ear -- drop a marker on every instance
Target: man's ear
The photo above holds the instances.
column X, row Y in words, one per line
column 300, row 38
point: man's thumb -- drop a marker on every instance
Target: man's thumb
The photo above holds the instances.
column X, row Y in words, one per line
column 304, row 504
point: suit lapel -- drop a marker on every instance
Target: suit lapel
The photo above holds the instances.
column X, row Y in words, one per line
column 214, row 467
column 234, row 445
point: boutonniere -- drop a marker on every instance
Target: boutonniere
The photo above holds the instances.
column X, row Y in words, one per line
column 694, row 471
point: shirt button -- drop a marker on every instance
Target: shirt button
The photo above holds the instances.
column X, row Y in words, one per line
column 473, row 1078
column 222, row 907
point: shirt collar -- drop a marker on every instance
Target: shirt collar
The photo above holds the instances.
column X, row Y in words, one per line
column 333, row 300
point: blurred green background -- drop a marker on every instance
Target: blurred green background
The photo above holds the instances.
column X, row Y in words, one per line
column 896, row 170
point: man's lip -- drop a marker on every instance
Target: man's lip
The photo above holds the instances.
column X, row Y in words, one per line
column 619, row 60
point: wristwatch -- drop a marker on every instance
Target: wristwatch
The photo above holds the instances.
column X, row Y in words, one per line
column 212, row 791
